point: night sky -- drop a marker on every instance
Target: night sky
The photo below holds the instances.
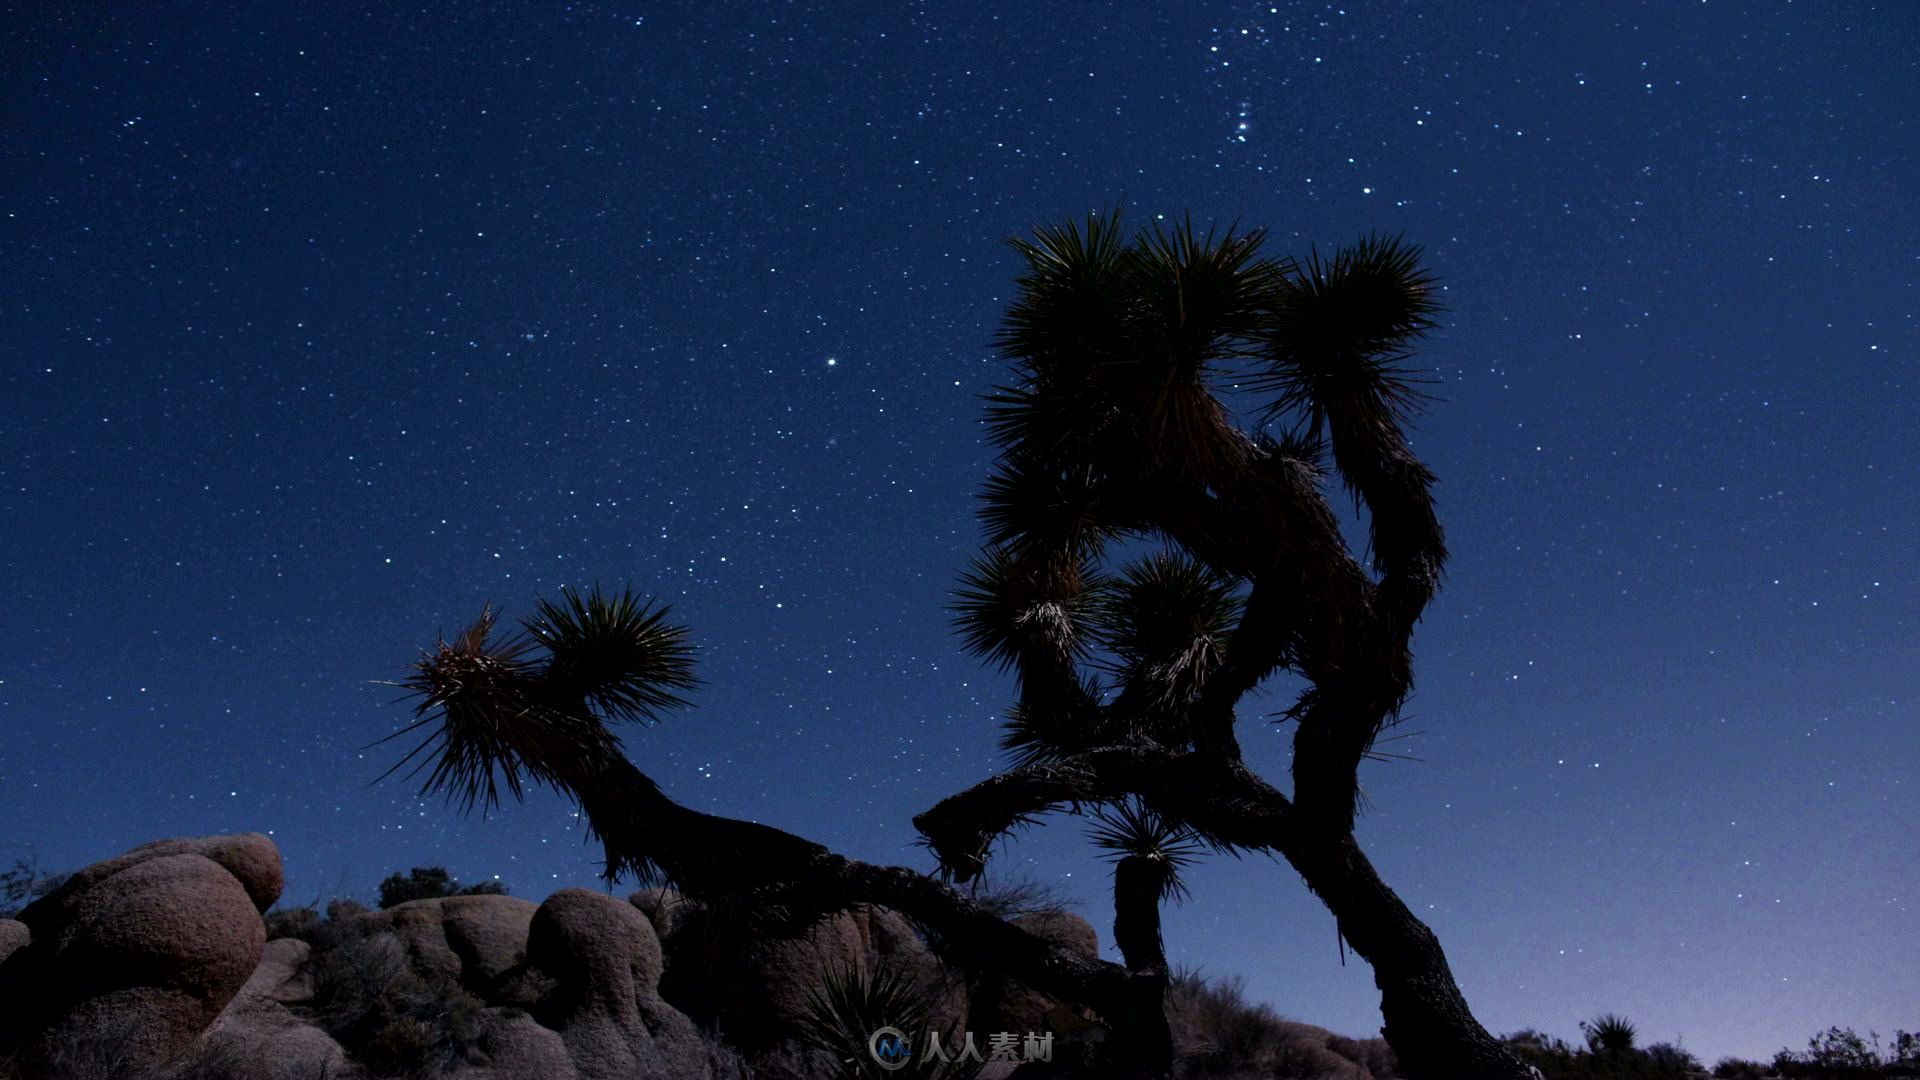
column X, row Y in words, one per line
column 321, row 327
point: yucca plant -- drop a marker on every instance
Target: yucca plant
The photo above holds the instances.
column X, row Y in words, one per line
column 877, row 1024
column 1609, row 1033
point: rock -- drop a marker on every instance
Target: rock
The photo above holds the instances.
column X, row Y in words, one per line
column 664, row 908
column 515, row 1047
column 1315, row 1051
column 260, row 1036
column 14, row 936
column 1063, row 928
column 471, row 940
column 251, row 858
column 1010, row 1006
column 605, row 963
column 154, row 941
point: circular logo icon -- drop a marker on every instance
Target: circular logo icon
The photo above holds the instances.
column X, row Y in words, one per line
column 889, row 1048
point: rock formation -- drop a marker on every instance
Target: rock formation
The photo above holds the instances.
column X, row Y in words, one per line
column 156, row 942
column 158, row 962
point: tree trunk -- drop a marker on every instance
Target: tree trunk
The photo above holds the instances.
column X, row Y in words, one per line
column 1433, row 1033
column 707, row 856
column 1140, row 1032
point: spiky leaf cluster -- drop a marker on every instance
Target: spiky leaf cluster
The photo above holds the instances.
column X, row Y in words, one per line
column 1036, row 511
column 1010, row 609
column 619, row 652
column 1115, row 343
column 1609, row 1033
column 1131, row 829
column 1339, row 331
column 498, row 715
column 1166, row 619
column 1033, row 733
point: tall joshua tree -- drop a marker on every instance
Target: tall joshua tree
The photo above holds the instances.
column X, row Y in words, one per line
column 1128, row 682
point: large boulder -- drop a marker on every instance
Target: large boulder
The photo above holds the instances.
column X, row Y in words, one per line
column 515, row 1046
column 153, row 944
column 602, row 962
column 470, row 940
column 251, row 858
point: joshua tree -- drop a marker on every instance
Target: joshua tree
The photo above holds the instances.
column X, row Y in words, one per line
column 1127, row 684
column 1128, row 681
column 500, row 711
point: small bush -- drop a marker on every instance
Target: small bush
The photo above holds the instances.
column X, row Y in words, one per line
column 395, row 1021
column 293, row 922
column 108, row 1051
column 1609, row 1054
column 1733, row 1068
column 1842, row 1054
column 1219, row 1035
column 1014, row 897
column 1670, row 1059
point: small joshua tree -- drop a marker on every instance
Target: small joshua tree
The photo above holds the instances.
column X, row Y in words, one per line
column 498, row 711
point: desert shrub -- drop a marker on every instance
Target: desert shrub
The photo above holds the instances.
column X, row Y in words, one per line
column 1222, row 1032
column 1554, row 1057
column 394, row 1020
column 723, row 1060
column 1903, row 1057
column 1609, row 1054
column 107, row 1051
column 1733, row 1068
column 431, row 883
column 1016, row 896
column 293, row 922
column 1670, row 1060
column 1842, row 1054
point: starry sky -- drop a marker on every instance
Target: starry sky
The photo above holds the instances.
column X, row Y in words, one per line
column 323, row 325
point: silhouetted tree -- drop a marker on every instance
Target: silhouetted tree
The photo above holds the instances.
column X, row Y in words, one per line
column 502, row 711
column 1115, row 427
column 1128, row 679
column 431, row 883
